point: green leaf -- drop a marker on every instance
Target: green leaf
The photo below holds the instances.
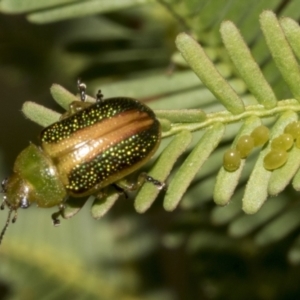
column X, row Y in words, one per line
column 82, row 9
column 62, row 96
column 39, row 114
column 247, row 67
column 256, row 192
column 205, row 70
column 222, row 215
column 281, row 51
column 162, row 169
column 245, row 224
column 280, row 227
column 22, row 6
column 227, row 181
column 101, row 206
column 282, row 177
column 192, row 164
column 292, row 33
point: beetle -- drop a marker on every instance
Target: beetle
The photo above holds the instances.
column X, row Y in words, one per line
column 92, row 146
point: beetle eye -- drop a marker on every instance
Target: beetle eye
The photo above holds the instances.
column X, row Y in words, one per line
column 24, row 203
column 3, row 185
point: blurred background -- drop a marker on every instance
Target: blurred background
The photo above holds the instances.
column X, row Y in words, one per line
column 126, row 48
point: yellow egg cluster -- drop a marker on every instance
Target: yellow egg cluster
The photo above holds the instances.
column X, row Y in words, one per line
column 246, row 143
column 278, row 154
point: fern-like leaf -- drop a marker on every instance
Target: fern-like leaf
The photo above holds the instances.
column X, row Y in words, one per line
column 261, row 182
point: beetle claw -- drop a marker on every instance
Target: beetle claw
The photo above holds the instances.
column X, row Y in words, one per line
column 14, row 219
column 160, row 185
column 55, row 218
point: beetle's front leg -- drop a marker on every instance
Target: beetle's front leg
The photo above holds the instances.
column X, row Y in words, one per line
column 55, row 216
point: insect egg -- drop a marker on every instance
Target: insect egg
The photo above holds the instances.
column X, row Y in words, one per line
column 260, row 135
column 231, row 160
column 245, row 145
column 284, row 141
column 293, row 129
column 275, row 159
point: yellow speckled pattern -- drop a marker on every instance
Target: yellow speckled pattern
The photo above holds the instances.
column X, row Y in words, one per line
column 102, row 143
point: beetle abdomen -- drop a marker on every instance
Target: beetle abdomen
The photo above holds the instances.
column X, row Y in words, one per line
column 102, row 143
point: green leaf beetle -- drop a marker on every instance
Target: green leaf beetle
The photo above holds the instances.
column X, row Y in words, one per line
column 92, row 146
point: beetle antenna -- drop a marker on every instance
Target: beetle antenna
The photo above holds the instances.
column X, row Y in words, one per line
column 6, row 225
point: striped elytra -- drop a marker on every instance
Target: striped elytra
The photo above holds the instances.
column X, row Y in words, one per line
column 102, row 143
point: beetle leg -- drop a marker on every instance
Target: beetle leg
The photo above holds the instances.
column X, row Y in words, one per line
column 75, row 107
column 2, row 205
column 81, row 89
column 143, row 177
column 13, row 220
column 55, row 220
column 120, row 190
column 55, row 216
column 99, row 96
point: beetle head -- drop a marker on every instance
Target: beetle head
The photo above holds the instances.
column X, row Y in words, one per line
column 15, row 192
